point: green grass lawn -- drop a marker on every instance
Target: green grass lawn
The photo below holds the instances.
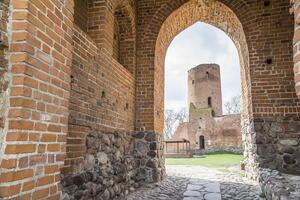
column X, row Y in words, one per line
column 215, row 160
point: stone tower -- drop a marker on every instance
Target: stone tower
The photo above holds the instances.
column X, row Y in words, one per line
column 204, row 88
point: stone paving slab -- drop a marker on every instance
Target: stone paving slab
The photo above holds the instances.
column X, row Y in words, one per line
column 193, row 198
column 213, row 196
column 194, row 187
column 190, row 193
column 203, row 190
column 212, row 187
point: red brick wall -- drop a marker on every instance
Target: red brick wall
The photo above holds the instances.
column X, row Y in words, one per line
column 127, row 37
column 124, row 41
column 81, row 14
column 116, row 42
column 40, row 37
column 101, row 17
column 101, row 100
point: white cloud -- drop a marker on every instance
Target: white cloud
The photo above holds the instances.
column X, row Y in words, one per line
column 198, row 44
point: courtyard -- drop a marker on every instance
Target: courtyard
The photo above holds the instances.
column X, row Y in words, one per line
column 207, row 177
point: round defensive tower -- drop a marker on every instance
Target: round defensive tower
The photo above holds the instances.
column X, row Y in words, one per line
column 204, row 87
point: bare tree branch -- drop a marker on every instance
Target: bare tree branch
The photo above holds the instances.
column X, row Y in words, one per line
column 234, row 105
column 172, row 120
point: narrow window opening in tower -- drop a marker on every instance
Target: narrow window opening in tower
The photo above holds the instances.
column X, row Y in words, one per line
column 193, row 82
column 213, row 114
column 209, row 102
column 103, row 95
column 207, row 75
column 201, row 142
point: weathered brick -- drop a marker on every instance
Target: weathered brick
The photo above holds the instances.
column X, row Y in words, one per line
column 19, row 113
column 20, row 124
column 21, row 91
column 20, row 148
column 28, row 186
column 8, row 164
column 51, row 169
column 48, row 138
column 40, row 193
column 17, row 136
column 15, row 175
column 46, row 180
column 53, row 147
column 19, row 4
column 6, row 191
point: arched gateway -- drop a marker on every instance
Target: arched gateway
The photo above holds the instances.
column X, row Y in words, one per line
column 268, row 117
column 82, row 90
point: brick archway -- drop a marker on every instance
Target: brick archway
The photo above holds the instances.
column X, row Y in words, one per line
column 149, row 34
column 214, row 13
column 222, row 17
column 272, row 107
column 219, row 15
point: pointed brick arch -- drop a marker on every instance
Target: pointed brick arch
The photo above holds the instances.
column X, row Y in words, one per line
column 214, row 13
column 269, row 78
column 148, row 34
column 222, row 17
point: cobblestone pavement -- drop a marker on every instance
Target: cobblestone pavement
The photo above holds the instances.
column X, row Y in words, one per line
column 199, row 183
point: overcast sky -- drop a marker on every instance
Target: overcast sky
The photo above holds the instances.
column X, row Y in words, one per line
column 200, row 43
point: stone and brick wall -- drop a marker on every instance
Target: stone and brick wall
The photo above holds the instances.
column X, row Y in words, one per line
column 101, row 123
column 100, row 160
column 222, row 133
column 102, row 95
